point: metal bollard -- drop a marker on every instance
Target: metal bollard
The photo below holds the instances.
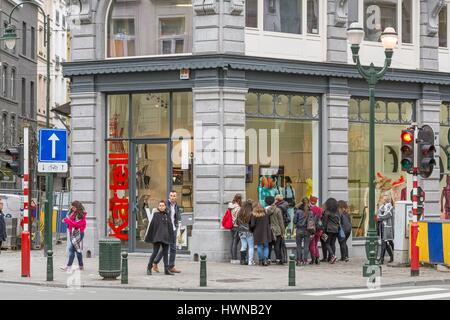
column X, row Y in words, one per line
column 124, row 275
column 203, row 270
column 292, row 270
column 49, row 265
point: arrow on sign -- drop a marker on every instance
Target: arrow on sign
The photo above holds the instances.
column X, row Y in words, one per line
column 53, row 139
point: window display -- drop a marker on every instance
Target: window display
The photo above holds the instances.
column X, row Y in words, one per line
column 390, row 117
column 295, row 118
column 283, row 16
column 444, row 146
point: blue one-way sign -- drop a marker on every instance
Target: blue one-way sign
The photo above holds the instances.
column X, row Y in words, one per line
column 52, row 145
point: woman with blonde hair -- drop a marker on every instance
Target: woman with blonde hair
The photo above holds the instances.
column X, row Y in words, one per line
column 262, row 235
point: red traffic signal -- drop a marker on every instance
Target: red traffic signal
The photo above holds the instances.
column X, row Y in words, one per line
column 407, row 136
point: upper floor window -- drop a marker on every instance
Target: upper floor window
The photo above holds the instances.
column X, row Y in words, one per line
column 12, row 132
column 443, row 26
column 4, row 129
column 380, row 14
column 13, row 84
column 149, row 27
column 4, row 82
column 286, row 16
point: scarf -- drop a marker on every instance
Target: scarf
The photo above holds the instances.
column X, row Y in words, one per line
column 75, row 239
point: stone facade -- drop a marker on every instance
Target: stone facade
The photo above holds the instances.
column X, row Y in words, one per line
column 219, row 96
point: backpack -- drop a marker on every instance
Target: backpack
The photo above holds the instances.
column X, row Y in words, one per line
column 311, row 225
column 227, row 220
column 286, row 217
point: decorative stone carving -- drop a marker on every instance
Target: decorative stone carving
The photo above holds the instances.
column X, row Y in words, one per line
column 77, row 17
column 434, row 7
column 341, row 16
column 236, row 7
column 205, row 7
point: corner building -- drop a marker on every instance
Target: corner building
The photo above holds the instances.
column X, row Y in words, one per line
column 152, row 82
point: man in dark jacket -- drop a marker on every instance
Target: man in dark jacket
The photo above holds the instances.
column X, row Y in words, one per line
column 2, row 226
column 175, row 216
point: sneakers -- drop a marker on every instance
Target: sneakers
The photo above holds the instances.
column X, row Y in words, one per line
column 149, row 271
column 251, row 263
column 333, row 259
column 65, row 268
column 155, row 268
column 173, row 270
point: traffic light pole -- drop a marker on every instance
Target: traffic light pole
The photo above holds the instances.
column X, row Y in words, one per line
column 415, row 267
column 25, row 232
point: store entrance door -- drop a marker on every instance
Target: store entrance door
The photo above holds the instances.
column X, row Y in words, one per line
column 150, row 176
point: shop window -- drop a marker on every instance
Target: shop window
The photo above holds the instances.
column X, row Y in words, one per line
column 378, row 15
column 151, row 114
column 118, row 116
column 182, row 112
column 137, row 28
column 443, row 36
column 251, row 13
column 283, row 16
column 313, row 16
column 444, row 145
column 286, row 149
column 391, row 117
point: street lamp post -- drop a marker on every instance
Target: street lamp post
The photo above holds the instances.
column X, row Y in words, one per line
column 355, row 35
column 10, row 38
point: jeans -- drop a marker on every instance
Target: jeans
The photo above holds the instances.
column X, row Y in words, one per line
column 263, row 251
column 331, row 244
column 302, row 239
column 343, row 246
column 72, row 252
column 172, row 252
column 248, row 242
column 164, row 254
column 234, row 243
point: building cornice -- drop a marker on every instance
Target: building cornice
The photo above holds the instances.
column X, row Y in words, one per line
column 244, row 63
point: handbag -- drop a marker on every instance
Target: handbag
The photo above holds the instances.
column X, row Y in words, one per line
column 149, row 218
column 324, row 237
column 341, row 234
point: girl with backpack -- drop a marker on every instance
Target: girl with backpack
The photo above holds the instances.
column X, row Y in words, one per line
column 76, row 223
column 245, row 235
column 331, row 219
column 305, row 224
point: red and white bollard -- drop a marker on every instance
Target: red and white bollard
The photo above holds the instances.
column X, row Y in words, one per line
column 25, row 232
column 415, row 226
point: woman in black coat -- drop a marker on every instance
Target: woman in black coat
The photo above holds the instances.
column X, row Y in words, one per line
column 160, row 233
column 262, row 234
column 331, row 223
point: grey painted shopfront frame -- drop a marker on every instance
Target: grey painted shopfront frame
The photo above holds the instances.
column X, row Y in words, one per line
column 132, row 143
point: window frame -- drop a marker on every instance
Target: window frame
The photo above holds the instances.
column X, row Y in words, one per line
column 260, row 17
column 399, row 27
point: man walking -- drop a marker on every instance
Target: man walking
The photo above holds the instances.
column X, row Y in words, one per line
column 2, row 226
column 175, row 215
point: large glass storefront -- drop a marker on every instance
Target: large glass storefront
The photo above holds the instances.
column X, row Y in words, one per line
column 444, row 144
column 391, row 116
column 282, row 146
column 149, row 154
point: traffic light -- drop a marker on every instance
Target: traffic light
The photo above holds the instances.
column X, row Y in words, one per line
column 426, row 150
column 407, row 150
column 16, row 162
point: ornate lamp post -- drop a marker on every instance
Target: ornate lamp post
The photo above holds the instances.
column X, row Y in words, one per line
column 355, row 35
column 10, row 38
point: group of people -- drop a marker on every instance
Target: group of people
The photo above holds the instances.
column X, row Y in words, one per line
column 264, row 226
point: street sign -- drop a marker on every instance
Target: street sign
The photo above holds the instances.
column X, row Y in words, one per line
column 52, row 145
column 52, row 167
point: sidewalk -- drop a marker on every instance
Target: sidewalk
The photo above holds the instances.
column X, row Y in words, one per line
column 223, row 277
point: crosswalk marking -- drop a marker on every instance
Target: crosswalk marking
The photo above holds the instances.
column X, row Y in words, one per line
column 391, row 293
column 336, row 292
column 425, row 297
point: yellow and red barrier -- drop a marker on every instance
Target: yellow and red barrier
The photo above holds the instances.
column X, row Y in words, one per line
column 434, row 242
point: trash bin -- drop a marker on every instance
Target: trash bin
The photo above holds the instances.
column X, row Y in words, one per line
column 109, row 258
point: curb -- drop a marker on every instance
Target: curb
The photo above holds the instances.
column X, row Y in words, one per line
column 226, row 290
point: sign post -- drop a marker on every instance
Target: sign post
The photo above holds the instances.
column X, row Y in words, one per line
column 52, row 159
column 25, row 231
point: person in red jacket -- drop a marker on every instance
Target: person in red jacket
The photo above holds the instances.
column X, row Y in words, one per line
column 76, row 223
